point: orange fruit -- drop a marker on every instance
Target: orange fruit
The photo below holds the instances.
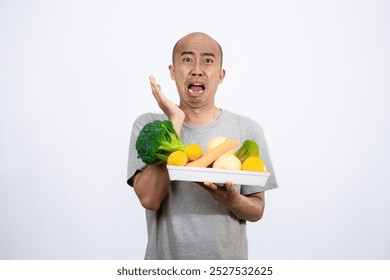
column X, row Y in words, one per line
column 177, row 158
column 193, row 151
column 254, row 164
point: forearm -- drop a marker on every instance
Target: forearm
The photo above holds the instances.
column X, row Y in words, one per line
column 151, row 186
column 250, row 208
column 177, row 123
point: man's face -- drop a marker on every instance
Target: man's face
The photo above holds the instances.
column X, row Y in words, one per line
column 197, row 70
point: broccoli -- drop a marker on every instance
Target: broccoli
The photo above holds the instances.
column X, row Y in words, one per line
column 156, row 141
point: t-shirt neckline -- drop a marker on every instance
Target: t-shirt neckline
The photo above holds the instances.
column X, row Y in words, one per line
column 221, row 117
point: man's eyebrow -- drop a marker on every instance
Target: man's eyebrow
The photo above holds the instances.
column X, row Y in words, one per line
column 187, row 52
column 192, row 53
column 208, row 54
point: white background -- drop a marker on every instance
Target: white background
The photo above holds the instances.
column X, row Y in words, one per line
column 74, row 76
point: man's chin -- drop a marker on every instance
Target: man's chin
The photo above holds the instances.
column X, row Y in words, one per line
column 196, row 93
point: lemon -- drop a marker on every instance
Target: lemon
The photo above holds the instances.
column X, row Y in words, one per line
column 177, row 158
column 193, row 151
column 254, row 164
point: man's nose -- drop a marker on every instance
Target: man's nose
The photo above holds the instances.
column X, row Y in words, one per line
column 197, row 70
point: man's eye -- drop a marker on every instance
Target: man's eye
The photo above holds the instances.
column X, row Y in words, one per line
column 208, row 60
column 186, row 59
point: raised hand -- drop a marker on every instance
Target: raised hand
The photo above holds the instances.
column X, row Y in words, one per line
column 173, row 112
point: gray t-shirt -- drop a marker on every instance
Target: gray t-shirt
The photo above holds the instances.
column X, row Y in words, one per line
column 190, row 224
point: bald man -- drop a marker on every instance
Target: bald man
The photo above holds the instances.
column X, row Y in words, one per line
column 187, row 220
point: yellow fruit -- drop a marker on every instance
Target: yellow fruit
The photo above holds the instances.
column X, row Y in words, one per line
column 254, row 164
column 178, row 158
column 193, row 151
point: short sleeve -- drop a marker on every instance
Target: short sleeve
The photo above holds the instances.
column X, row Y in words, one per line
column 134, row 164
column 259, row 138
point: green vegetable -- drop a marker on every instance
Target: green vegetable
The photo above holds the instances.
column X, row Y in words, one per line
column 248, row 148
column 156, row 141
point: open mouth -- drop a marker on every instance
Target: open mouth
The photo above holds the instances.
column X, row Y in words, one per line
column 196, row 88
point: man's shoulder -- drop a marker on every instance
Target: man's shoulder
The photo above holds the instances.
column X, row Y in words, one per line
column 149, row 117
column 241, row 119
column 145, row 118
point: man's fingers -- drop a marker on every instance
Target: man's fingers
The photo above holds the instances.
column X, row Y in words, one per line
column 173, row 112
column 216, row 187
column 156, row 89
column 210, row 186
column 152, row 79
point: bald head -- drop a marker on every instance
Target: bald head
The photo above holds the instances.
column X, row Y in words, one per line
column 196, row 38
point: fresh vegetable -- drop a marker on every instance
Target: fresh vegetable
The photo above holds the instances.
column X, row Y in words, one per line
column 227, row 161
column 214, row 142
column 178, row 158
column 209, row 157
column 156, row 141
column 254, row 163
column 193, row 151
column 249, row 148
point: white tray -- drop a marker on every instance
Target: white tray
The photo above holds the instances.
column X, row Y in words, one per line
column 215, row 175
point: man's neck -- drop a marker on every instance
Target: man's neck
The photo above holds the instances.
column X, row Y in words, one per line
column 201, row 116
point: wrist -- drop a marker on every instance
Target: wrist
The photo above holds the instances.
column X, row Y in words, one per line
column 177, row 124
column 234, row 200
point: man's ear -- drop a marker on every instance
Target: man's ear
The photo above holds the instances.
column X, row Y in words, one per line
column 172, row 71
column 222, row 75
